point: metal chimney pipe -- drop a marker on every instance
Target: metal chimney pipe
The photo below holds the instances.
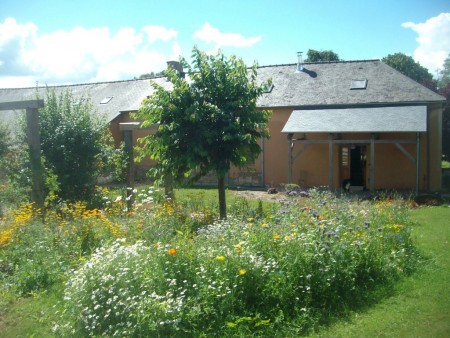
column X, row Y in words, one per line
column 299, row 62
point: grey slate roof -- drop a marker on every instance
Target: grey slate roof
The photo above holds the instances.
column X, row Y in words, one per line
column 322, row 84
column 126, row 95
column 365, row 119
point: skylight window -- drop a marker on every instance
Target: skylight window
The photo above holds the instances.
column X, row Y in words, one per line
column 106, row 100
column 358, row 84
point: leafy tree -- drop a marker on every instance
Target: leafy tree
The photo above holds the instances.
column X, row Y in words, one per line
column 407, row 66
column 444, row 90
column 445, row 73
column 72, row 141
column 319, row 56
column 207, row 122
column 151, row 75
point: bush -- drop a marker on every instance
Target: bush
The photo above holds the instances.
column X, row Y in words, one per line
column 72, row 143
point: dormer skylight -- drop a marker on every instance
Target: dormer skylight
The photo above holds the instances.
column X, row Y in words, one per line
column 358, row 84
column 106, row 99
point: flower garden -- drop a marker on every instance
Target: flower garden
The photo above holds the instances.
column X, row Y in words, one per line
column 172, row 269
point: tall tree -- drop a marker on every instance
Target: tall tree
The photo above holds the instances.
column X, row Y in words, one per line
column 320, row 56
column 444, row 90
column 444, row 79
column 407, row 66
column 207, row 121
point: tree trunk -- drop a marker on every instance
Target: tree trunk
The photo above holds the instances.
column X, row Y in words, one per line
column 222, row 199
column 168, row 186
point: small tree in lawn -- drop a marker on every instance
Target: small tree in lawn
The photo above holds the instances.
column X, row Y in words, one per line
column 207, row 121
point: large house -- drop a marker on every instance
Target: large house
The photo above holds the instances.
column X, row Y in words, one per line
column 359, row 124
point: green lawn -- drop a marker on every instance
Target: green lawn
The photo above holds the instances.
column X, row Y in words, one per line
column 420, row 306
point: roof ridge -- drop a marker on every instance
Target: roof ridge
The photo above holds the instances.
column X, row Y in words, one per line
column 83, row 84
column 320, row 63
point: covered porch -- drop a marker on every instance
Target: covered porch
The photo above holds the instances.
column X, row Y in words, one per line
column 355, row 138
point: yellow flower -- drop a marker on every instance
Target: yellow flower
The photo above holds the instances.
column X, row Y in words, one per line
column 276, row 236
column 287, row 238
column 242, row 272
column 172, row 251
column 264, row 225
column 220, row 258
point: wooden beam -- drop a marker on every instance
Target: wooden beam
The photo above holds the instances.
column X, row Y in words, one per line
column 128, row 126
column 135, row 125
column 16, row 105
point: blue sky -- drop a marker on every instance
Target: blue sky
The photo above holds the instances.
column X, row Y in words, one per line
column 62, row 41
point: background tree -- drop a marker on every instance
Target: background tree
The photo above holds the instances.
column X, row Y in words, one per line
column 444, row 79
column 319, row 56
column 407, row 66
column 444, row 90
column 207, row 122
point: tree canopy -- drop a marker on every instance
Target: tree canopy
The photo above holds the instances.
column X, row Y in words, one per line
column 407, row 66
column 207, row 121
column 444, row 79
column 319, row 56
column 444, row 90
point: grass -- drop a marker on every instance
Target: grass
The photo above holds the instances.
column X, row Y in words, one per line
column 419, row 305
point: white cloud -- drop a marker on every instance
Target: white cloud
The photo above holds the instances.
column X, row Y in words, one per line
column 434, row 41
column 155, row 33
column 80, row 54
column 210, row 34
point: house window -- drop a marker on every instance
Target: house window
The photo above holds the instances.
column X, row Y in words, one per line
column 358, row 84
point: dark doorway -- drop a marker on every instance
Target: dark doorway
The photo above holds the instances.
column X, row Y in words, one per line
column 357, row 165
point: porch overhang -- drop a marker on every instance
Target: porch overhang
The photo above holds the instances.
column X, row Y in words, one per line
column 372, row 120
column 356, row 120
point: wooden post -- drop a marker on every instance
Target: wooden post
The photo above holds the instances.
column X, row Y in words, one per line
column 127, row 136
column 372, row 163
column 34, row 145
column 417, row 163
column 290, row 145
column 330, row 161
column 34, row 150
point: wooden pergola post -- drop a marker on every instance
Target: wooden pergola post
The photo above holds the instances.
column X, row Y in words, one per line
column 34, row 145
column 127, row 136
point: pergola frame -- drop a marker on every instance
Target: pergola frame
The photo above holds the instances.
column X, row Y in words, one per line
column 331, row 141
column 34, row 145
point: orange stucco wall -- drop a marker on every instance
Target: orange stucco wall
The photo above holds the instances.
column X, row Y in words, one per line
column 393, row 170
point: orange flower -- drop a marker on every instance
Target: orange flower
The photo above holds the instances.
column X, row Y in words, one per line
column 172, row 251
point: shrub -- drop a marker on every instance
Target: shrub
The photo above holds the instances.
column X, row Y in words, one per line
column 72, row 142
